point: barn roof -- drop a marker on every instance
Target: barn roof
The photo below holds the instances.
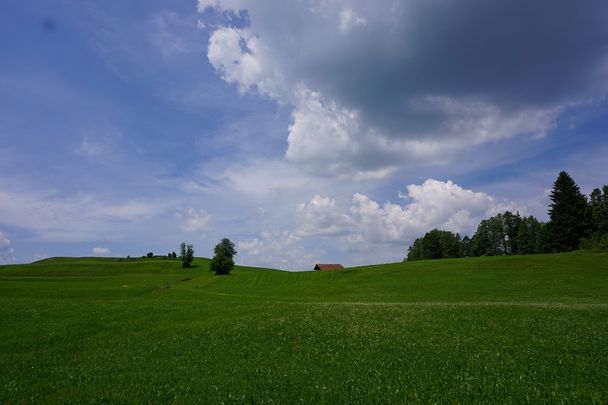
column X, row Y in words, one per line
column 334, row 266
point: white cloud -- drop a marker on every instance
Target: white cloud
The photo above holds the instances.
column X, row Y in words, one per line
column 195, row 220
column 330, row 140
column 321, row 216
column 241, row 58
column 349, row 19
column 275, row 249
column 394, row 91
column 77, row 217
column 324, row 137
column 265, row 178
column 433, row 204
column 7, row 253
column 204, row 4
column 479, row 122
column 329, row 223
column 101, row 251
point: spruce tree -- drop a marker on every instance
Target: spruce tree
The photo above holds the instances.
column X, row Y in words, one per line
column 567, row 212
column 465, row 247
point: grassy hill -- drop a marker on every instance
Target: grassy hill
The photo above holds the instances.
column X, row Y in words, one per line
column 504, row 329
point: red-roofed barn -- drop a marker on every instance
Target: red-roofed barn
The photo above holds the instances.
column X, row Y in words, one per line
column 328, row 266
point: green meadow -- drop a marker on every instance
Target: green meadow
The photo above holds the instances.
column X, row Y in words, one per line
column 519, row 329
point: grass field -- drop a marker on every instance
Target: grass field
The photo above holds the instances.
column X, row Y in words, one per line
column 495, row 330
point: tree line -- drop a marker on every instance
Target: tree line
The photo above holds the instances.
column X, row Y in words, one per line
column 575, row 222
column 222, row 262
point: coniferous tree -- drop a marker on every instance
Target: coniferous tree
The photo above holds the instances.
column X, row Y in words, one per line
column 568, row 214
column 465, row 247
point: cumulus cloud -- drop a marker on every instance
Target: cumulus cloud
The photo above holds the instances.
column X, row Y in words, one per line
column 321, row 216
column 195, row 220
column 7, row 253
column 433, row 204
column 238, row 56
column 375, row 84
column 329, row 140
column 275, row 248
column 101, row 251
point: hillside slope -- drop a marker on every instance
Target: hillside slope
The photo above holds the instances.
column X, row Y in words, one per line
column 502, row 329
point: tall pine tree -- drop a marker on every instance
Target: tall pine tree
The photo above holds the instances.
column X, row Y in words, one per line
column 567, row 213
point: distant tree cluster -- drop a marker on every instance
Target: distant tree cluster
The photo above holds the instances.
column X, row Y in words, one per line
column 502, row 234
column 223, row 259
column 575, row 222
column 438, row 244
column 597, row 214
column 509, row 234
column 186, row 254
column 222, row 262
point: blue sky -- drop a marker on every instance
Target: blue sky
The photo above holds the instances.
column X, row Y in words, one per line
column 305, row 131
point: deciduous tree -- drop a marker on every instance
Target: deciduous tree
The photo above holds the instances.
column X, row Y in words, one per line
column 186, row 254
column 223, row 262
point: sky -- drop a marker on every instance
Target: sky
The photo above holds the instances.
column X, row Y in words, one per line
column 308, row 131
